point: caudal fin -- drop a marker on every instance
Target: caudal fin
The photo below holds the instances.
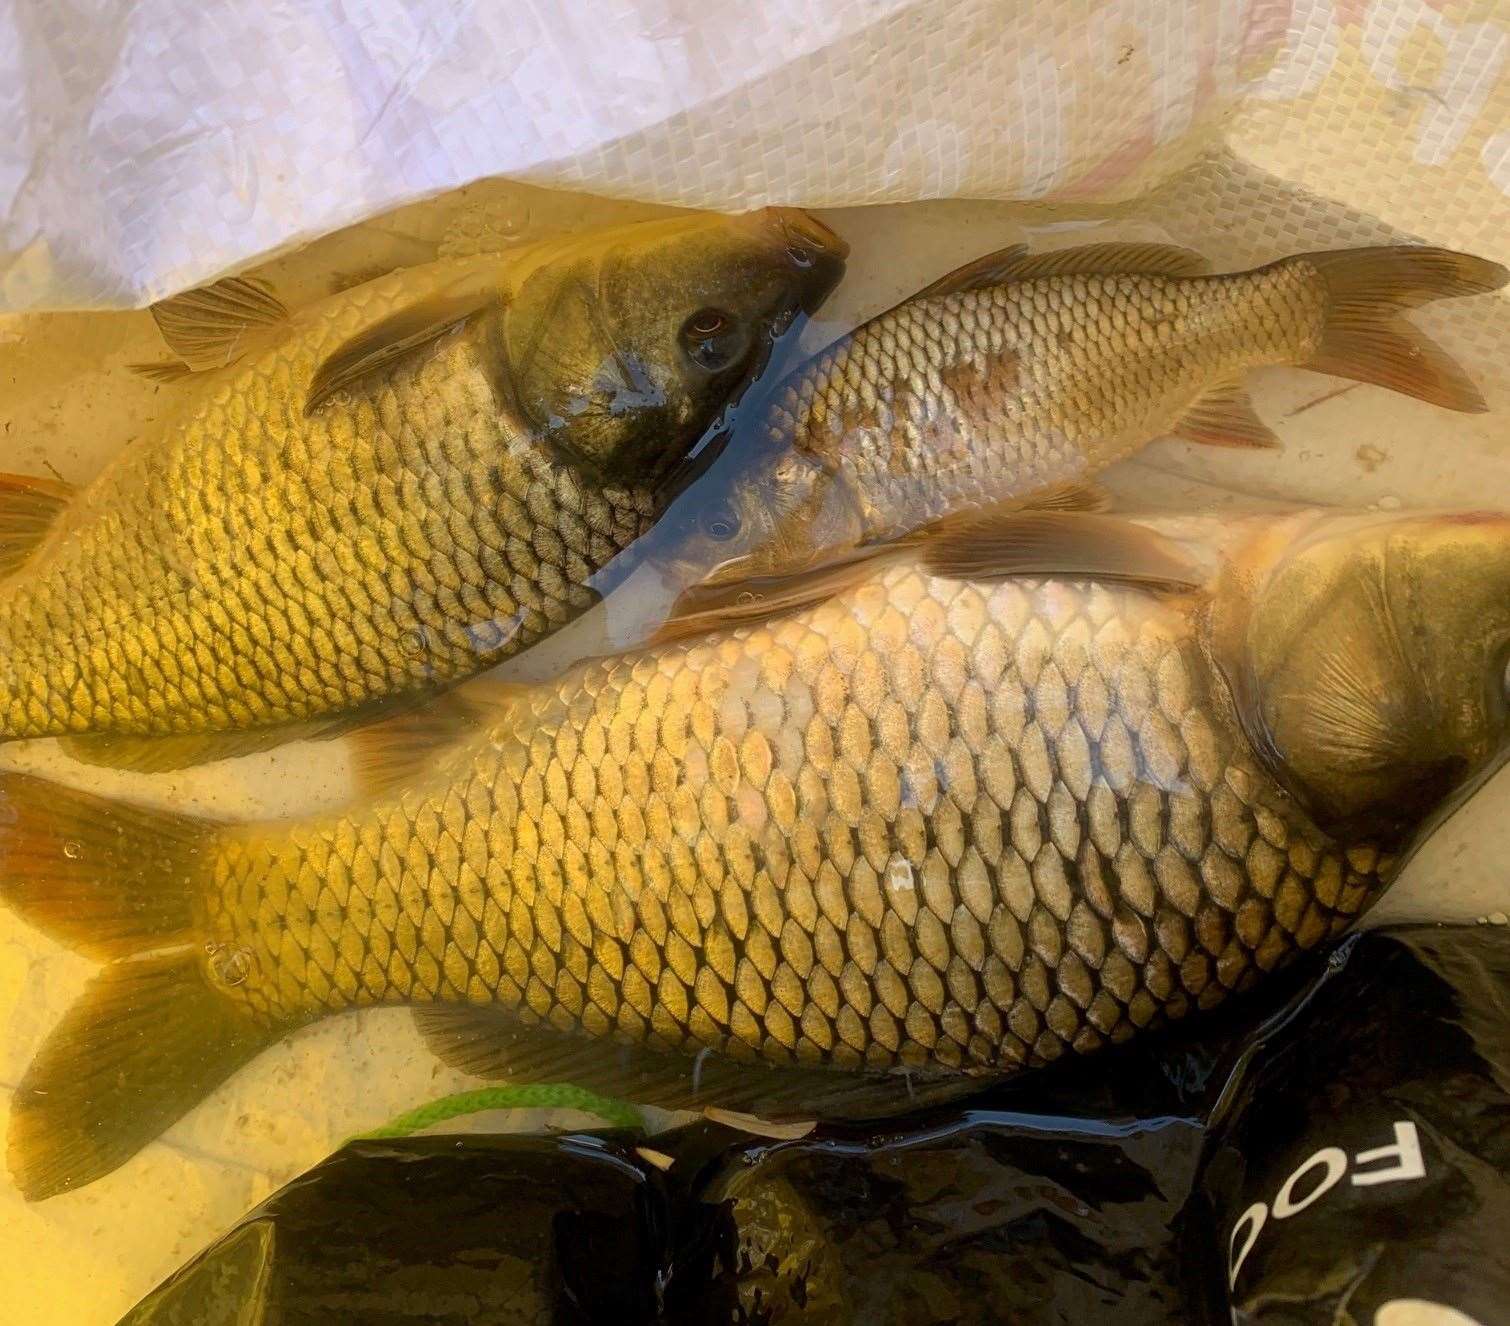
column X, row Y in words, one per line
column 150, row 1036
column 1365, row 338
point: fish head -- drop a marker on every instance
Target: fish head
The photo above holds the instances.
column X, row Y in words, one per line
column 1375, row 669
column 624, row 348
column 770, row 510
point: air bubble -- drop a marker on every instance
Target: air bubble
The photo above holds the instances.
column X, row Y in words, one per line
column 73, row 849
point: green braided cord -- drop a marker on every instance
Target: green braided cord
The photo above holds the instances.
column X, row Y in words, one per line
column 534, row 1095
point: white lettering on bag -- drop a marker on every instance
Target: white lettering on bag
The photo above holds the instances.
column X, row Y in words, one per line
column 1333, row 1159
column 1400, row 1161
column 1406, row 1153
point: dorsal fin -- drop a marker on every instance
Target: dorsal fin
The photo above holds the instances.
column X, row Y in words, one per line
column 1109, row 259
column 386, row 344
column 988, row 269
column 28, row 508
column 208, row 328
column 1015, row 263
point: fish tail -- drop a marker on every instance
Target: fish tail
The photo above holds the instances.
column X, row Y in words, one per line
column 150, row 1036
column 1364, row 338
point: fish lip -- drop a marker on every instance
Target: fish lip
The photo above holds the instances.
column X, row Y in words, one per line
column 815, row 253
column 794, row 226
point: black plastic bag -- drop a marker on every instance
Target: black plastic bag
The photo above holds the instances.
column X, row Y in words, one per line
column 1120, row 1189
column 1363, row 1169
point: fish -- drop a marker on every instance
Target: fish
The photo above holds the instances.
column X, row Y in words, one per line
column 1046, row 782
column 391, row 489
column 1020, row 372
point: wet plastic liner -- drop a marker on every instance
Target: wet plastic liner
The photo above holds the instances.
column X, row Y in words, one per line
column 1335, row 1150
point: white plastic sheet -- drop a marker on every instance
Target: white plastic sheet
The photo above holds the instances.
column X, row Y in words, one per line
column 148, row 145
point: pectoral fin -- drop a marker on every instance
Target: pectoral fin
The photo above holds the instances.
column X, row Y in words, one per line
column 948, row 547
column 492, row 1042
column 383, row 347
column 1074, row 545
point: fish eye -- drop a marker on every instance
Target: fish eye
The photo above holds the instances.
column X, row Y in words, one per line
column 706, row 322
column 712, row 339
column 800, row 255
column 720, row 523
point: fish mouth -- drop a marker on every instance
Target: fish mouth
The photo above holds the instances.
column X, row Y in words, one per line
column 800, row 228
column 815, row 253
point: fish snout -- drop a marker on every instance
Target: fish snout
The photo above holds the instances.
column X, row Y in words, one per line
column 815, row 252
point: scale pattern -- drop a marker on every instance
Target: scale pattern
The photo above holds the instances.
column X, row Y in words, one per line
column 962, row 399
column 264, row 568
column 928, row 823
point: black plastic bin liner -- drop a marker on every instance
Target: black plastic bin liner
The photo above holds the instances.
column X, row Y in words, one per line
column 1341, row 1141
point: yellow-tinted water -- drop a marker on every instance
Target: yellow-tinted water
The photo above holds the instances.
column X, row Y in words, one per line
column 68, row 406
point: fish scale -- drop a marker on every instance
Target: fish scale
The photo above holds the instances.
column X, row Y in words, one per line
column 932, row 823
column 963, row 398
column 380, row 493
column 1019, row 375
column 277, row 660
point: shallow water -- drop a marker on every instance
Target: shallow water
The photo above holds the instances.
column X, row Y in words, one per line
column 68, row 406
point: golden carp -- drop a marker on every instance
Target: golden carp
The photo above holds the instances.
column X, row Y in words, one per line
column 384, row 492
column 1020, row 372
column 938, row 821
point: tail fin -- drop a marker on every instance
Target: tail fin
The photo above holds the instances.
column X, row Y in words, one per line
column 150, row 1036
column 1365, row 339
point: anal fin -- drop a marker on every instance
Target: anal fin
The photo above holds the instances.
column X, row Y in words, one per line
column 164, row 370
column 28, row 509
column 1224, row 417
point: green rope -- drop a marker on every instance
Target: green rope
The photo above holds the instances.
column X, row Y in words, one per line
column 534, row 1095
